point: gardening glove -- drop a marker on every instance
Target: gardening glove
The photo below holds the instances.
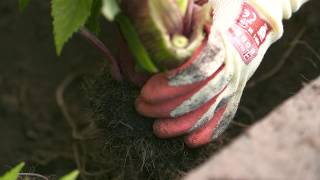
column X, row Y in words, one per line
column 201, row 97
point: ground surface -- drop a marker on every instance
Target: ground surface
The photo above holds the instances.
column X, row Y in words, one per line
column 33, row 128
column 275, row 144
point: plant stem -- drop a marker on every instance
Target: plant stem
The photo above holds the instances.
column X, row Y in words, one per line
column 115, row 70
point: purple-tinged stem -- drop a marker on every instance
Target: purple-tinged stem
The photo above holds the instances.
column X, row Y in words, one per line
column 187, row 19
column 115, row 70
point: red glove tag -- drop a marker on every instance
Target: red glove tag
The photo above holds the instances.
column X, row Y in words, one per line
column 248, row 33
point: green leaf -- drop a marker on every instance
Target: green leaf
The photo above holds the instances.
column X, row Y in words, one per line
column 13, row 174
column 71, row 176
column 135, row 45
column 93, row 22
column 110, row 9
column 68, row 17
column 23, row 4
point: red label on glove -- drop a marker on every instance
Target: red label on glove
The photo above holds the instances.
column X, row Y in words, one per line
column 248, row 33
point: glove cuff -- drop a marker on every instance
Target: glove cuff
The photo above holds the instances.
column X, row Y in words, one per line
column 274, row 11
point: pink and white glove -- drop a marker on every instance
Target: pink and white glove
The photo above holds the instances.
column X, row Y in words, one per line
column 201, row 97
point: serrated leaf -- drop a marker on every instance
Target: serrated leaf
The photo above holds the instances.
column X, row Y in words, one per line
column 93, row 22
column 13, row 174
column 23, row 4
column 110, row 9
column 71, row 176
column 68, row 17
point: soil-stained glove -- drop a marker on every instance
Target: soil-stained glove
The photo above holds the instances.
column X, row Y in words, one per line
column 201, row 97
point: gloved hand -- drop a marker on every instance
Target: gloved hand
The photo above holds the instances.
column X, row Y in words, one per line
column 201, row 97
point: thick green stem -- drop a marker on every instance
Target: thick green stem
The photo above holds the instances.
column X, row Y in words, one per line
column 135, row 46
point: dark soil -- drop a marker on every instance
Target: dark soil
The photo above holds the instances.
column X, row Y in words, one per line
column 37, row 130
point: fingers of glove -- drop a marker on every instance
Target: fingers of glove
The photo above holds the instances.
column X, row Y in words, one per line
column 204, row 134
column 207, row 92
column 222, row 117
column 164, row 109
column 179, row 81
column 228, row 115
column 206, row 64
column 157, row 90
column 160, row 110
column 166, row 128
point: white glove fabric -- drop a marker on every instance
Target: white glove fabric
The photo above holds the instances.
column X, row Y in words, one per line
column 201, row 97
